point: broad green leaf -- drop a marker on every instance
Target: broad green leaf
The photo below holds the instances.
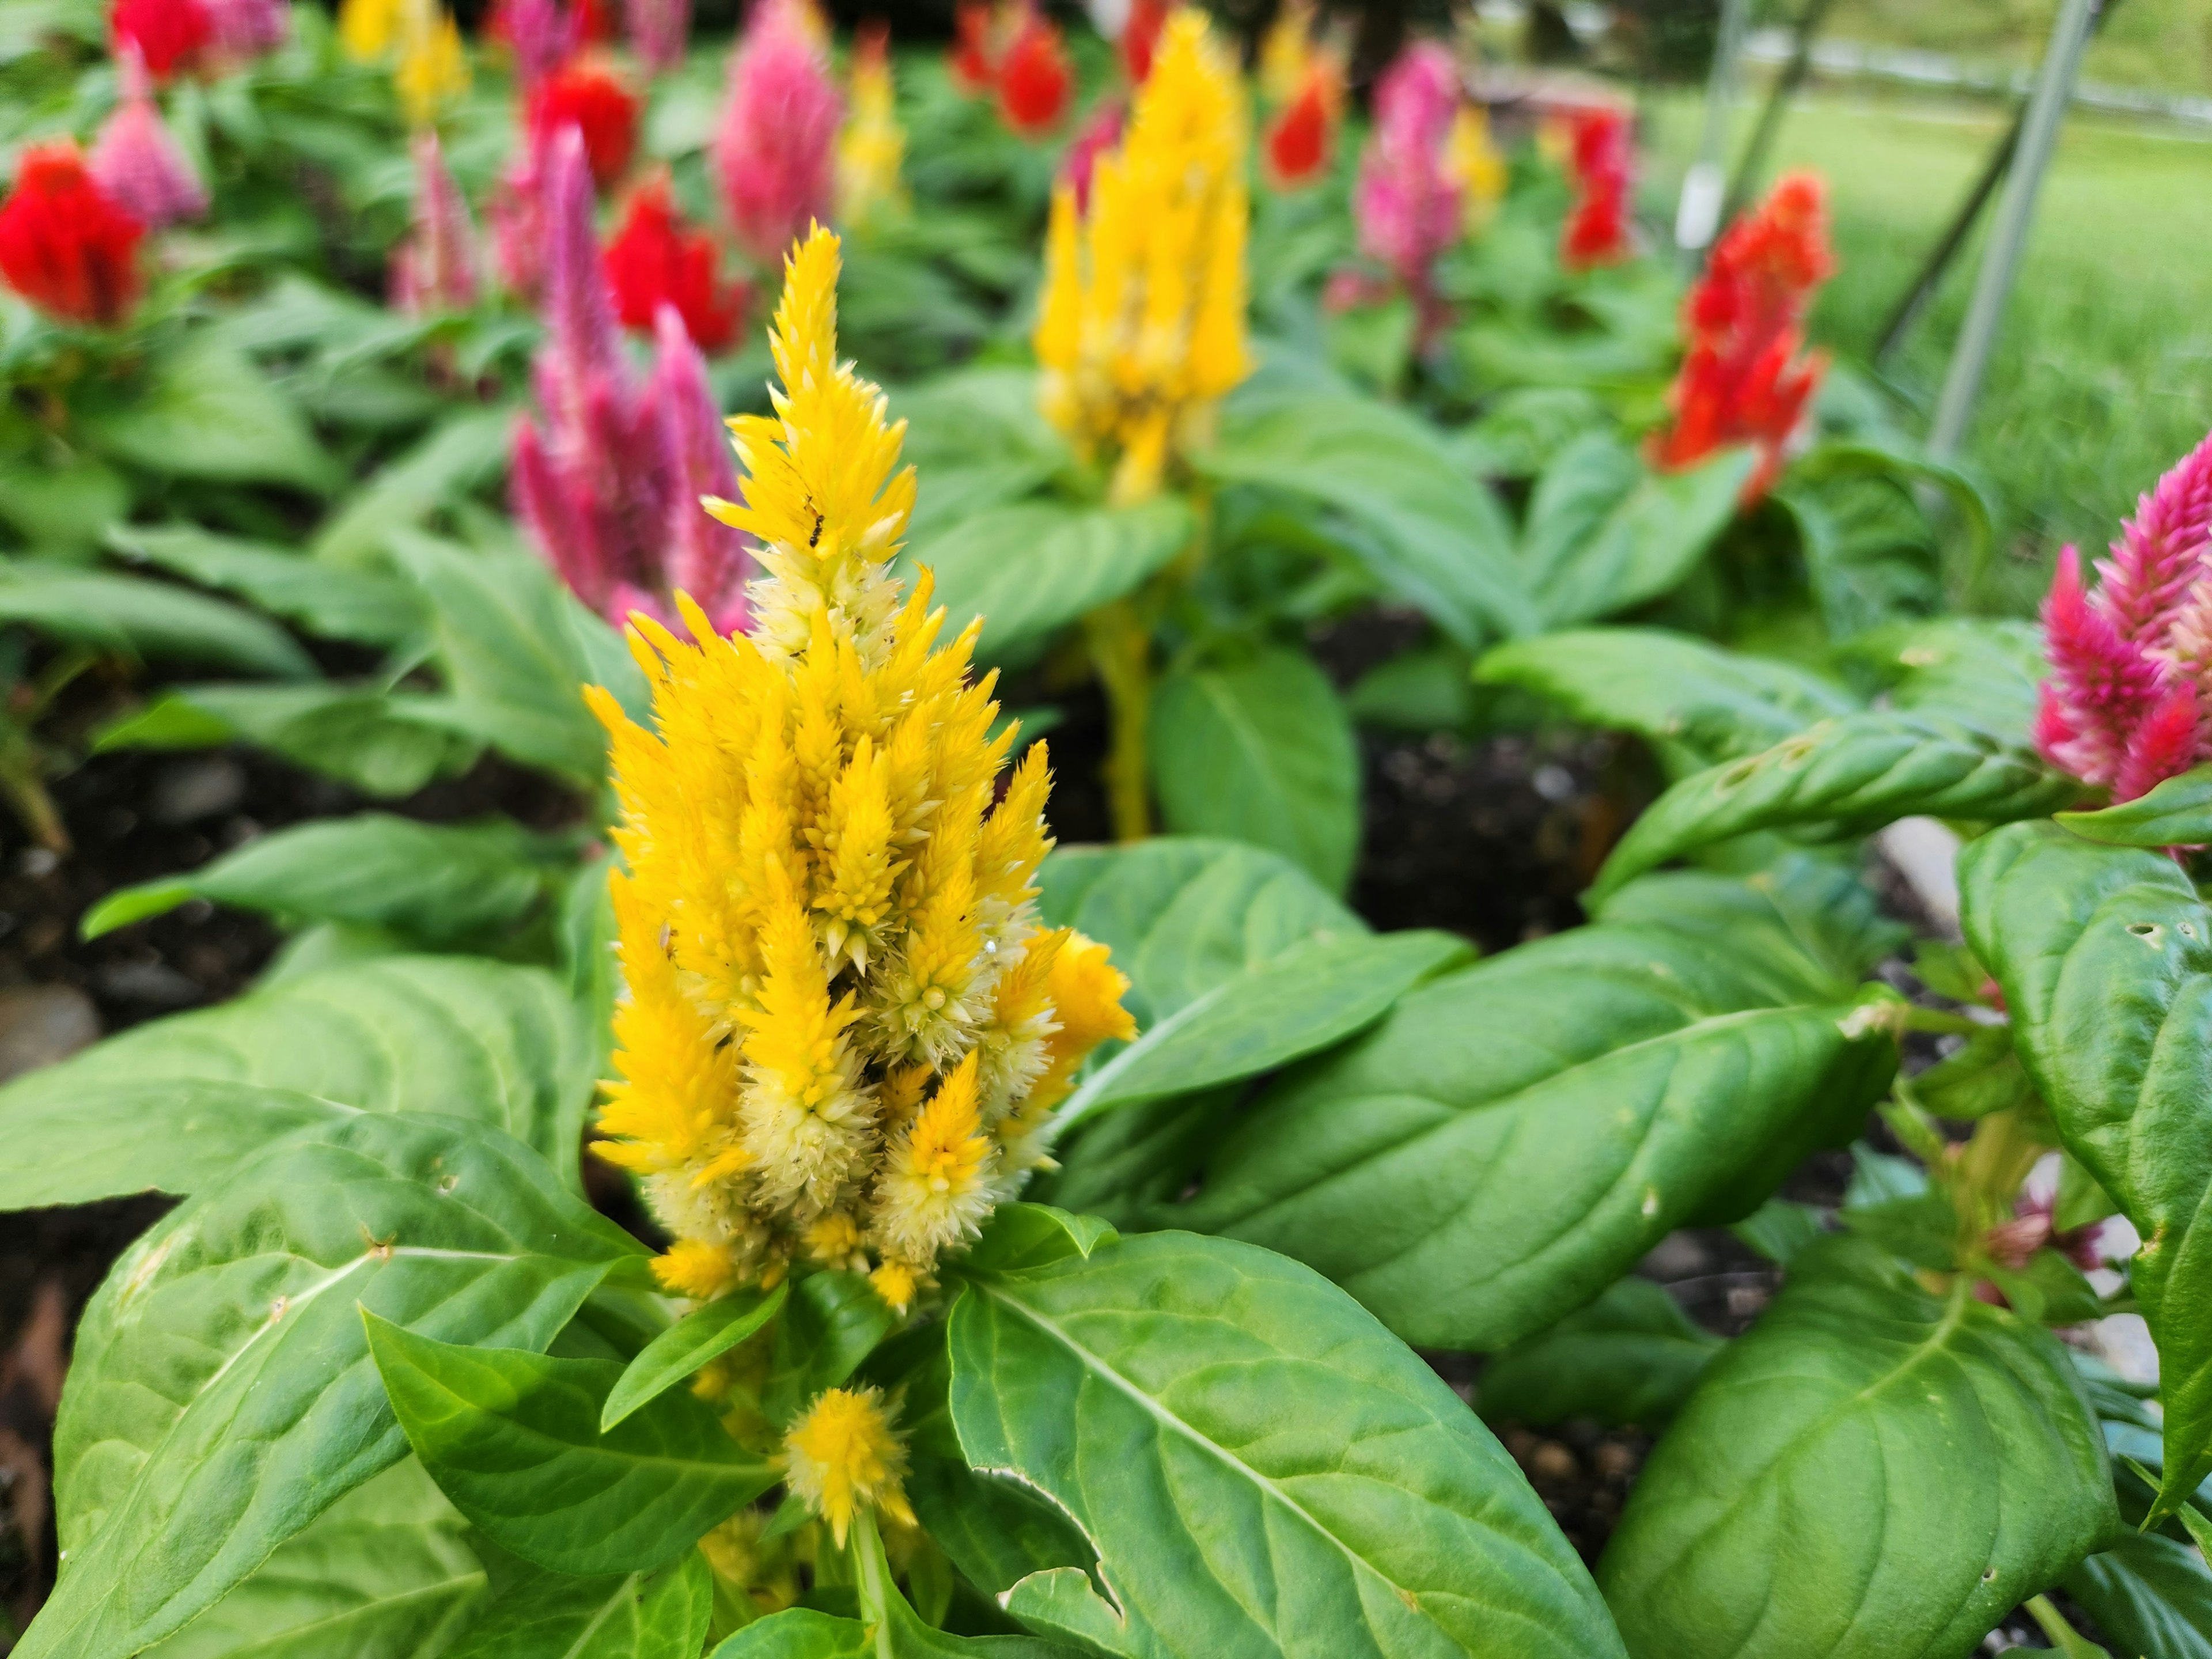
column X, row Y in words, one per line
column 662, row 1615
column 1976, row 671
column 833, row 1321
column 138, row 618
column 2105, row 956
column 2151, row 1594
column 1632, row 1356
column 1183, row 913
column 2175, row 813
column 1261, row 751
column 803, row 1634
column 382, row 743
column 385, row 1570
column 1512, row 1138
column 511, row 657
column 175, row 1103
column 65, row 507
column 1848, row 775
column 1304, row 1001
column 514, row 1439
column 206, row 411
column 1967, row 496
column 221, row 1395
column 1030, row 569
column 1262, row 1467
column 1670, row 688
column 1870, row 1473
column 1446, row 545
column 1022, row 1237
column 458, row 456
column 437, row 883
column 366, row 605
column 676, row 1355
column 1605, row 532
column 1810, row 921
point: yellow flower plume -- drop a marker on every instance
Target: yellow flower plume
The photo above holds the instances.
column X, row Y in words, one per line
column 843, row 1026
column 843, row 1458
column 872, row 145
column 1141, row 324
column 1472, row 159
column 433, row 67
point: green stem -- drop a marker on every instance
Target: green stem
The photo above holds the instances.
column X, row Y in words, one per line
column 1122, row 652
column 2064, row 1637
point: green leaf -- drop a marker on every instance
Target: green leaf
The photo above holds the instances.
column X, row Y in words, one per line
column 1445, row 543
column 1669, row 688
column 511, row 657
column 803, row 1634
column 174, row 1103
column 1869, row 1473
column 1512, row 1138
column 460, row 455
column 65, row 507
column 2175, row 813
column 222, row 1397
column 1021, row 1238
column 1849, row 775
column 1180, row 1398
column 676, row 1355
column 1605, row 532
column 386, row 1568
column 1309, row 998
column 1778, row 1229
column 1031, row 569
column 1916, row 466
column 206, row 411
column 2151, row 1594
column 387, row 744
column 1261, row 751
column 2105, row 956
column 437, row 883
column 1183, row 914
column 136, row 618
column 663, row 1614
column 1975, row 670
column 332, row 603
column 832, row 1322
column 1632, row 1356
column 514, row 1439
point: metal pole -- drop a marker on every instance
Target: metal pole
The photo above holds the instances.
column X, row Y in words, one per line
column 1697, row 215
column 2054, row 86
column 1777, row 100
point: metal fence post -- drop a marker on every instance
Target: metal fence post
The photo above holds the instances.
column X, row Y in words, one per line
column 2054, row 86
column 1697, row 215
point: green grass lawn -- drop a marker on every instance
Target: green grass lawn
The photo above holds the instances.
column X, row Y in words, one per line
column 2103, row 372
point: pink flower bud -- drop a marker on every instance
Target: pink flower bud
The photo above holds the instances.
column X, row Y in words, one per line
column 136, row 162
column 437, row 268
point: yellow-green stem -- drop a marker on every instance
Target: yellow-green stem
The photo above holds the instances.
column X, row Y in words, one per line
column 1122, row 650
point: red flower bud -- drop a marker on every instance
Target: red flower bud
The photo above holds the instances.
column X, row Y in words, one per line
column 594, row 99
column 1034, row 78
column 63, row 245
column 656, row 258
column 1297, row 139
column 170, row 35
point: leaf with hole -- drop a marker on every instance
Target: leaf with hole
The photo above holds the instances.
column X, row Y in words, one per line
column 222, row 1396
column 1871, row 1472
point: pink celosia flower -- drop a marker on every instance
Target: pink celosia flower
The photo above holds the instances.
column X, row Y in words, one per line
column 658, row 32
column 775, row 152
column 517, row 212
column 542, row 34
column 437, row 267
column 244, row 29
column 608, row 488
column 2124, row 703
column 136, row 162
column 1407, row 199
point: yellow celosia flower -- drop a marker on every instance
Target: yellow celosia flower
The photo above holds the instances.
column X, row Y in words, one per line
column 844, row 1458
column 1286, row 51
column 366, row 27
column 433, row 67
column 1475, row 160
column 872, row 144
column 840, row 1006
column 1141, row 324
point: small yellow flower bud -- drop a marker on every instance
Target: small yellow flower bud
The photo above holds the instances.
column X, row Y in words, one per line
column 844, row 1458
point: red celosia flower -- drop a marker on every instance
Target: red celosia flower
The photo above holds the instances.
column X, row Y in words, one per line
column 2124, row 704
column 592, row 98
column 974, row 58
column 1741, row 380
column 1034, row 78
column 656, row 258
column 1298, row 137
column 1140, row 36
column 1603, row 157
column 170, row 35
column 63, row 245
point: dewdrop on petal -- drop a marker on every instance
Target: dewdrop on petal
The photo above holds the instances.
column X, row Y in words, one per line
column 844, row 1458
column 840, row 1034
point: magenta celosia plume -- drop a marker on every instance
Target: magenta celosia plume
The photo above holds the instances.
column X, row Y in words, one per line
column 244, row 29
column 136, row 162
column 2125, row 703
column 609, row 486
column 438, row 265
column 1408, row 201
column 542, row 34
column 775, row 151
column 658, row 32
